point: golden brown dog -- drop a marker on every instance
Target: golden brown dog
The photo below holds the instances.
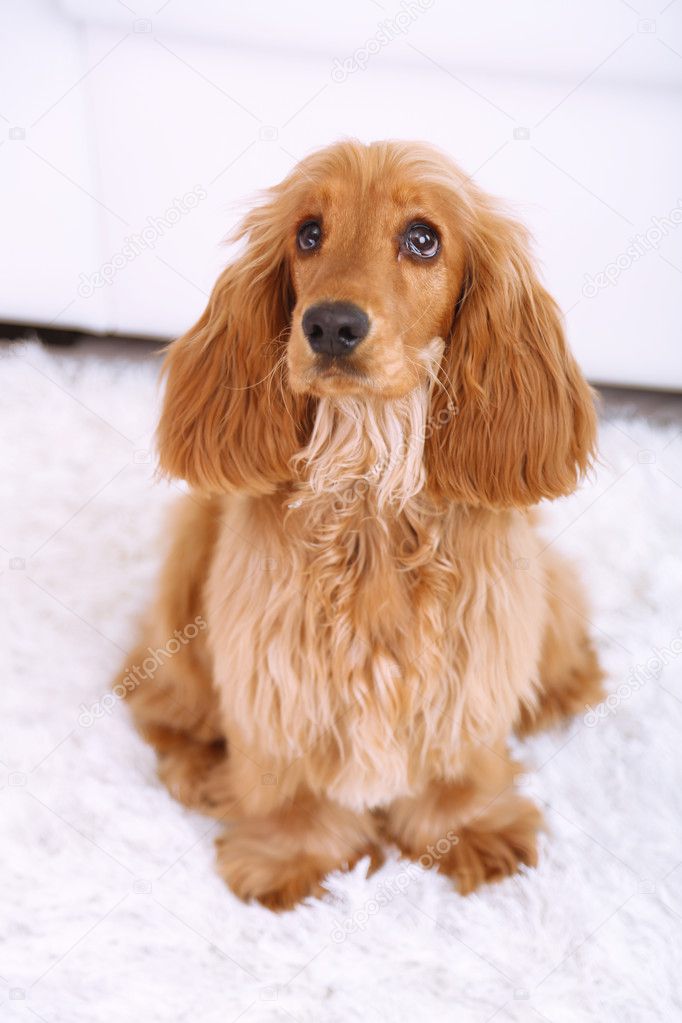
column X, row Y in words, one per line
column 376, row 394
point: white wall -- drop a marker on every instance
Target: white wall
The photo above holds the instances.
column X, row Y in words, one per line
column 571, row 111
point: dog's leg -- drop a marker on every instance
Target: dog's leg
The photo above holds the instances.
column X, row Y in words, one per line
column 187, row 766
column 179, row 717
column 282, row 856
column 167, row 679
column 570, row 676
column 474, row 831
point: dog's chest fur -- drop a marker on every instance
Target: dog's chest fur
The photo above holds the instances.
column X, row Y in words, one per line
column 378, row 641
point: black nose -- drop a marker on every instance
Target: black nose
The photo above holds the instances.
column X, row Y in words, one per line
column 334, row 328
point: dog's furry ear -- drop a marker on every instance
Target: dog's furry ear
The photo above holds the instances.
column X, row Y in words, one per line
column 228, row 421
column 515, row 417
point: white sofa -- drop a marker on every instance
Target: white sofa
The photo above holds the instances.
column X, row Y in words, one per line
column 132, row 134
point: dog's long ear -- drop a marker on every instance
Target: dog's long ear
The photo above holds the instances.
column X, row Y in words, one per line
column 228, row 421
column 518, row 418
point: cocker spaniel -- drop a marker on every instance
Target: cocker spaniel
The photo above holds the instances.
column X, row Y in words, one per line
column 376, row 395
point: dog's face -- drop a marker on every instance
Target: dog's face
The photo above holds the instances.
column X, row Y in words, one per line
column 376, row 266
column 352, row 267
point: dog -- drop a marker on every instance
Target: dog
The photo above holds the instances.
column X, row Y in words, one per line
column 377, row 394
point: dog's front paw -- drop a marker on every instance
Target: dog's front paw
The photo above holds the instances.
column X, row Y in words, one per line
column 255, row 866
column 493, row 846
column 277, row 883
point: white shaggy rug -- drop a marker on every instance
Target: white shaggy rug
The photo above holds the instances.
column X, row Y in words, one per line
column 111, row 910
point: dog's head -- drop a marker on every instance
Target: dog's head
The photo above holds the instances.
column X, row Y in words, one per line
column 353, row 267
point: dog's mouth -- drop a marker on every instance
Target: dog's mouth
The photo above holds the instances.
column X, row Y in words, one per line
column 330, row 366
column 361, row 374
column 328, row 375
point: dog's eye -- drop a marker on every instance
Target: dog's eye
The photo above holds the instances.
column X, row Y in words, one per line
column 309, row 236
column 421, row 240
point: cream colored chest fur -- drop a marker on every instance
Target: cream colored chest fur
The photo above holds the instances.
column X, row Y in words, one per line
column 378, row 649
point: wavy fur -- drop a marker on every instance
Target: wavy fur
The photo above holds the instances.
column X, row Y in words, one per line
column 380, row 613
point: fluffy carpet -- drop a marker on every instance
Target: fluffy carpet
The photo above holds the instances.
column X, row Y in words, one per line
column 111, row 907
